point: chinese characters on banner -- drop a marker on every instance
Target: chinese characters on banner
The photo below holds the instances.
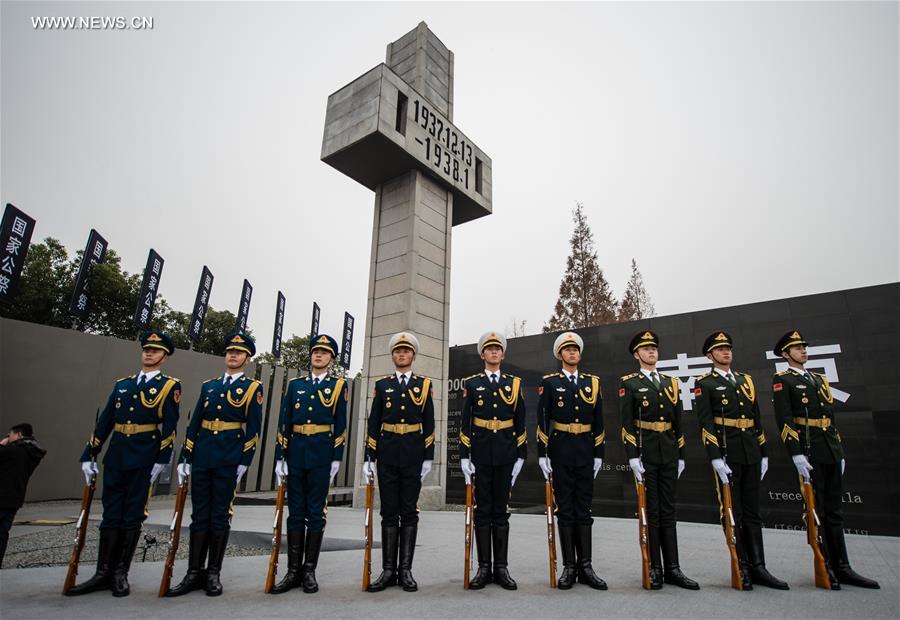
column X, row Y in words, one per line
column 687, row 369
column 94, row 252
column 201, row 303
column 150, row 285
column 279, row 326
column 346, row 347
column 244, row 308
column 15, row 237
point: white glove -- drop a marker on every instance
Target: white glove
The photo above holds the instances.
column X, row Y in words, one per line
column 368, row 470
column 184, row 470
column 335, row 466
column 281, row 471
column 89, row 468
column 637, row 468
column 843, row 466
column 426, row 469
column 156, row 471
column 721, row 468
column 544, row 464
column 241, row 470
column 517, row 469
column 763, row 467
column 598, row 463
column 680, row 467
column 468, row 469
column 803, row 466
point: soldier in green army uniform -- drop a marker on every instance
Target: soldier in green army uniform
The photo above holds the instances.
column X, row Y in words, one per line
column 732, row 432
column 651, row 410
column 805, row 414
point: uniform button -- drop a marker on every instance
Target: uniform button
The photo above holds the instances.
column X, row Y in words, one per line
column 660, row 393
column 217, row 419
column 576, row 407
column 661, row 418
column 402, row 407
column 576, row 419
column 310, row 408
column 495, row 393
column 660, row 406
column 743, row 429
column 743, row 416
column 402, row 420
column 311, row 397
column 222, row 395
column 215, row 432
column 218, row 406
column 131, row 409
column 403, row 395
column 495, row 417
column 495, row 405
column 741, row 402
column 135, row 396
column 308, row 421
column 127, row 421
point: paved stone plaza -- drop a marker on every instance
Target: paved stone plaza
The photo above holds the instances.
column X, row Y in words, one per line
column 34, row 592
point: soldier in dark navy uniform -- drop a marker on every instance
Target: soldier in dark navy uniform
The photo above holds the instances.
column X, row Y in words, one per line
column 310, row 444
column 731, row 430
column 651, row 410
column 218, row 448
column 492, row 451
column 400, row 437
column 571, row 441
column 804, row 408
column 141, row 415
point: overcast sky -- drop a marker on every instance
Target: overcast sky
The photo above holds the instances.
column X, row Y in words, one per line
column 739, row 152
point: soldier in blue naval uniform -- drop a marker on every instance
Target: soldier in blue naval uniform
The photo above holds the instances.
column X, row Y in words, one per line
column 804, row 410
column 309, row 448
column 651, row 410
column 140, row 415
column 571, row 439
column 731, row 430
column 492, row 450
column 218, row 448
column 400, row 437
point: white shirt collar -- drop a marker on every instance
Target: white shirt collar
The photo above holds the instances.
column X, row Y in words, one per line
column 233, row 377
column 313, row 376
column 490, row 374
column 724, row 373
column 647, row 374
column 401, row 376
column 569, row 375
column 149, row 375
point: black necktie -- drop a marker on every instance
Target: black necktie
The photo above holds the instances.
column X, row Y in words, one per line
column 142, row 380
column 403, row 382
column 493, row 379
column 573, row 379
column 227, row 380
column 316, row 381
column 655, row 379
column 731, row 378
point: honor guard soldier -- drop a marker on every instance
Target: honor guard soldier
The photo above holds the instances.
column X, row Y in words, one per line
column 805, row 413
column 732, row 433
column 492, row 450
column 218, row 448
column 651, row 410
column 310, row 445
column 141, row 415
column 400, row 439
column 570, row 439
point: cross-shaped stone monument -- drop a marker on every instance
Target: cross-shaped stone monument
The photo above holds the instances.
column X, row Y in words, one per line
column 391, row 130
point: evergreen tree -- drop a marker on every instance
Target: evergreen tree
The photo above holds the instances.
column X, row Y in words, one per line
column 636, row 303
column 585, row 297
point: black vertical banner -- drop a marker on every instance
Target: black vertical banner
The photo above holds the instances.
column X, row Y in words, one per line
column 94, row 252
column 279, row 326
column 201, row 303
column 347, row 345
column 15, row 237
column 244, row 308
column 314, row 329
column 150, row 285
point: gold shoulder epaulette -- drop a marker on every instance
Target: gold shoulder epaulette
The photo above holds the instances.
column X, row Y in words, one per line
column 176, row 379
column 631, row 376
column 208, row 380
column 818, row 374
column 471, row 376
column 124, row 378
column 552, row 374
column 587, row 375
column 703, row 376
column 782, row 373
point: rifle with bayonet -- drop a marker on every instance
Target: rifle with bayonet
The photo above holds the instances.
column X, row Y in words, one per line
column 643, row 526
column 823, row 575
column 174, row 537
column 87, row 496
column 551, row 528
column 728, row 515
column 367, row 554
column 276, row 536
column 468, row 535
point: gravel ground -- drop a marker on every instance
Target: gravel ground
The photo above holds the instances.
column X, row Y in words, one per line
column 53, row 546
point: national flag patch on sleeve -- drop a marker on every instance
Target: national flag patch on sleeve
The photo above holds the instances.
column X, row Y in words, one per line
column 621, row 391
column 777, row 387
column 698, row 391
column 541, row 389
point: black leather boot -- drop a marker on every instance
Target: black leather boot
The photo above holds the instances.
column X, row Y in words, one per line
column 388, row 576
column 311, row 560
column 656, row 573
column 841, row 563
column 567, row 546
column 672, row 573
column 483, row 545
column 586, row 574
column 407, row 550
column 195, row 579
column 102, row 578
column 753, row 545
column 218, row 541
column 500, row 534
column 128, row 540
column 743, row 563
column 291, row 578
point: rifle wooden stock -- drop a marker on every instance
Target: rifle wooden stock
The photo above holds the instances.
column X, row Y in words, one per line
column 728, row 518
column 551, row 530
column 643, row 534
column 367, row 554
column 822, row 574
column 87, row 496
column 174, row 538
column 276, row 536
column 468, row 536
